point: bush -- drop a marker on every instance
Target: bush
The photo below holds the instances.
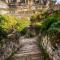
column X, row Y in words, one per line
column 36, row 18
column 21, row 24
column 8, row 23
column 50, row 20
column 47, row 23
column 50, row 34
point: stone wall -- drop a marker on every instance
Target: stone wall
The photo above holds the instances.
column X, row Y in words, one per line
column 16, row 8
column 8, row 46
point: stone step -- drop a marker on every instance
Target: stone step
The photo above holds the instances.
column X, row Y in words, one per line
column 26, row 54
column 29, row 50
column 28, row 41
column 31, row 56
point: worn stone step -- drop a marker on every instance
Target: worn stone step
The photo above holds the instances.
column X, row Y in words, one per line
column 26, row 54
column 29, row 57
column 29, row 50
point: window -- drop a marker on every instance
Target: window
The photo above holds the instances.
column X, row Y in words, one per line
column 22, row 1
column 45, row 1
column 13, row 0
column 36, row 1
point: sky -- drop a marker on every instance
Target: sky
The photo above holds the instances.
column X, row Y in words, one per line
column 58, row 1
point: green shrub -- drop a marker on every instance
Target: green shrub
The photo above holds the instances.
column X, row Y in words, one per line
column 36, row 17
column 55, row 27
column 50, row 32
column 8, row 23
column 21, row 24
column 48, row 22
column 51, row 27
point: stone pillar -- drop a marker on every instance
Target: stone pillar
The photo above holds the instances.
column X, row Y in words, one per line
column 40, row 2
column 30, row 2
column 18, row 0
column 7, row 1
column 25, row 1
column 48, row 4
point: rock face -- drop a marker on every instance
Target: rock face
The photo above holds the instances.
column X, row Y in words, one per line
column 7, row 49
column 29, row 50
column 52, row 51
column 8, row 46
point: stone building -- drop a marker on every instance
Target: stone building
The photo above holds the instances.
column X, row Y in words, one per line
column 29, row 1
column 16, row 6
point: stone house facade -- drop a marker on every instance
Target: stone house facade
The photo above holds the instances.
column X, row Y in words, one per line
column 16, row 6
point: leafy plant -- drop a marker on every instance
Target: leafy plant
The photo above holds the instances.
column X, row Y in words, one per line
column 8, row 23
column 50, row 32
column 21, row 24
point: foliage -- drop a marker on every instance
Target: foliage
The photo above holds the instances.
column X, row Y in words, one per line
column 55, row 26
column 2, row 33
column 47, row 23
column 51, row 21
column 36, row 17
column 50, row 32
column 21, row 24
column 9, row 23
column 50, row 27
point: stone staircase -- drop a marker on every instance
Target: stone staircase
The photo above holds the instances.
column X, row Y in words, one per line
column 29, row 50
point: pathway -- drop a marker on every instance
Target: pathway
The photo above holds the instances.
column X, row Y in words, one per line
column 29, row 50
